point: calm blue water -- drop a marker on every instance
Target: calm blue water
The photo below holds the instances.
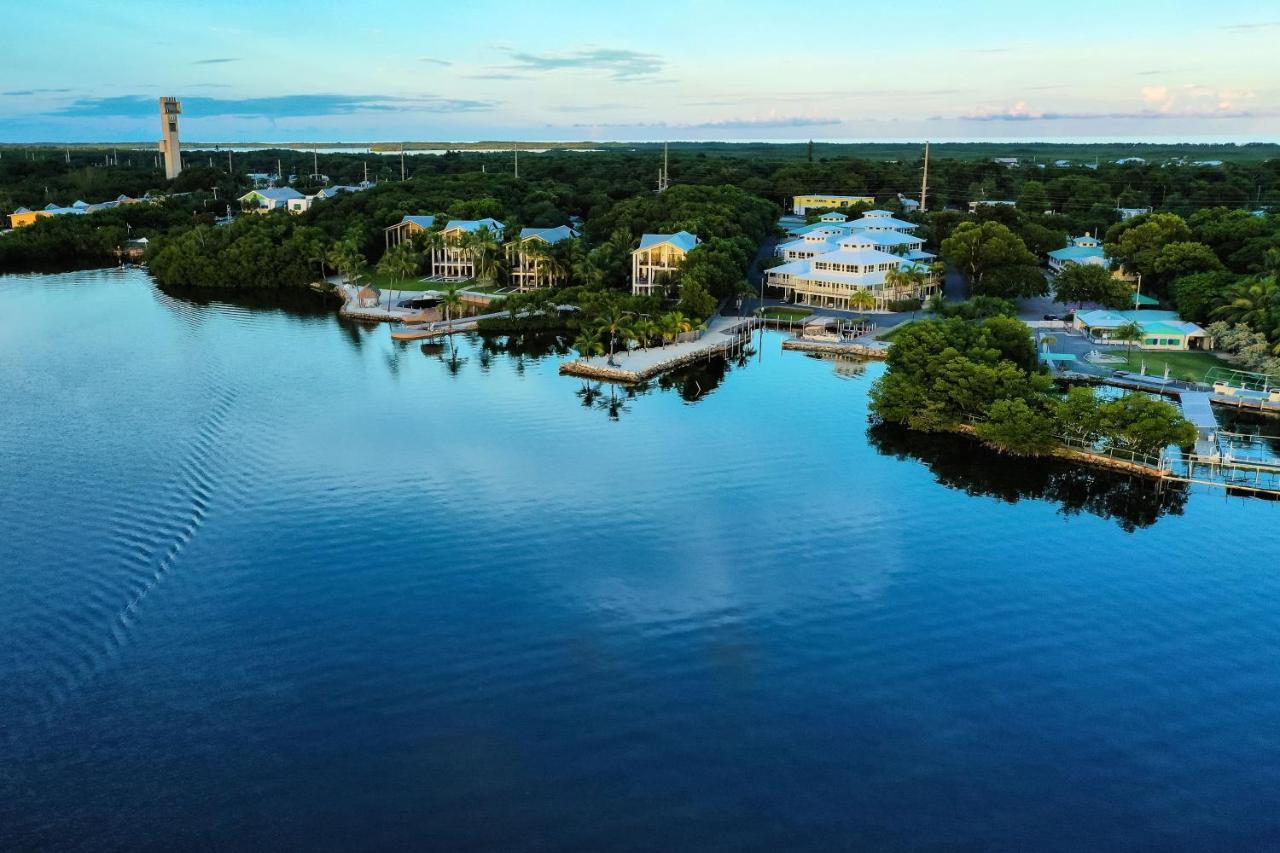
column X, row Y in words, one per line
column 269, row 581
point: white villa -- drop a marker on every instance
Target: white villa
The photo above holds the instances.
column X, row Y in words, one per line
column 528, row 270
column 1130, row 212
column 454, row 262
column 657, row 261
column 1079, row 250
column 270, row 198
column 829, row 261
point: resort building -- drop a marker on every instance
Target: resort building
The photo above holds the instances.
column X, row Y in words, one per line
column 269, row 198
column 529, row 267
column 1079, row 250
column 1007, row 162
column 1161, row 330
column 909, row 205
column 656, row 263
column 303, row 204
column 802, row 204
column 406, row 228
column 826, row 266
column 453, row 260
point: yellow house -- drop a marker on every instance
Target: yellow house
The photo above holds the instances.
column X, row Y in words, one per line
column 802, row 204
column 22, row 217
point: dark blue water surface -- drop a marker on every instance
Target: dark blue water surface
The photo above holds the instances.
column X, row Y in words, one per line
column 271, row 581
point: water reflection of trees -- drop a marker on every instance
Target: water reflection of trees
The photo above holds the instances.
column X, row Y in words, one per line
column 693, row 382
column 960, row 463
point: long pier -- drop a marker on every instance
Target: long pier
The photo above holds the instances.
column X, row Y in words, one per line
column 723, row 335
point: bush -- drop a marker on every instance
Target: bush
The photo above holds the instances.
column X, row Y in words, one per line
column 901, row 306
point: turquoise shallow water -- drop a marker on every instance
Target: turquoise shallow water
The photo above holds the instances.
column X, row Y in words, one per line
column 268, row 580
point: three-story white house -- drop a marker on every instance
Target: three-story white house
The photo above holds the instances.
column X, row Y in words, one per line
column 656, row 263
column 453, row 260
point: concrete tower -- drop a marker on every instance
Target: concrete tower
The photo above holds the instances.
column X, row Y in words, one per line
column 169, row 147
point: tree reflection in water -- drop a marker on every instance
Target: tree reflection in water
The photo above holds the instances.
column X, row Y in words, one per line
column 961, row 463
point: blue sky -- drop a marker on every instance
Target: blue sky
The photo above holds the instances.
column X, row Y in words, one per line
column 273, row 70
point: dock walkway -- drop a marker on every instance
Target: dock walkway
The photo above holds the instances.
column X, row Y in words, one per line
column 723, row 334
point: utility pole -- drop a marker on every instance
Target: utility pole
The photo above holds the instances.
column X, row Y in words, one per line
column 924, row 182
column 229, row 161
column 279, row 173
column 68, row 155
column 401, row 161
column 664, row 176
column 366, row 171
column 516, row 148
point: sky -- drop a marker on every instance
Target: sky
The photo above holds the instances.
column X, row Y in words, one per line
column 316, row 71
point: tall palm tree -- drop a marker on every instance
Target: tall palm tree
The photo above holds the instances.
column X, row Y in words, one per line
column 345, row 257
column 400, row 262
column 537, row 256
column 486, row 253
column 617, row 324
column 450, row 299
column 432, row 242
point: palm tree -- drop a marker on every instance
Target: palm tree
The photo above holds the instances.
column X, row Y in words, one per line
column 432, row 242
column 1255, row 303
column 588, row 344
column 450, row 299
column 861, row 301
column 345, row 256
column 617, row 323
column 1130, row 332
column 537, row 255
column 486, row 253
column 645, row 330
column 400, row 262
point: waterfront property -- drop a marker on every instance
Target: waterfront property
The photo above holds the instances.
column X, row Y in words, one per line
column 1084, row 250
column 656, row 263
column 802, row 204
column 303, row 203
column 829, row 263
column 454, row 259
column 406, row 228
column 1161, row 330
column 23, row 217
column 529, row 265
column 267, row 199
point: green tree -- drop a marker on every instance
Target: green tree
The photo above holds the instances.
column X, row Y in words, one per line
column 1195, row 296
column 695, row 300
column 1078, row 416
column 1080, row 283
column 1013, row 426
column 615, row 323
column 1032, row 197
column 994, row 260
column 1175, row 260
column 1137, row 242
column 1144, row 425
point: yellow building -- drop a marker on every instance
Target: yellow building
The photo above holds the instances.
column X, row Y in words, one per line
column 802, row 204
column 22, row 217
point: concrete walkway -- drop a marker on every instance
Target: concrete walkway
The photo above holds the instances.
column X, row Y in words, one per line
column 722, row 333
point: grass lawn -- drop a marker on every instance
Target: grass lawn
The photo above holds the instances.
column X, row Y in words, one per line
column 1182, row 365
column 795, row 314
column 890, row 334
column 384, row 282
